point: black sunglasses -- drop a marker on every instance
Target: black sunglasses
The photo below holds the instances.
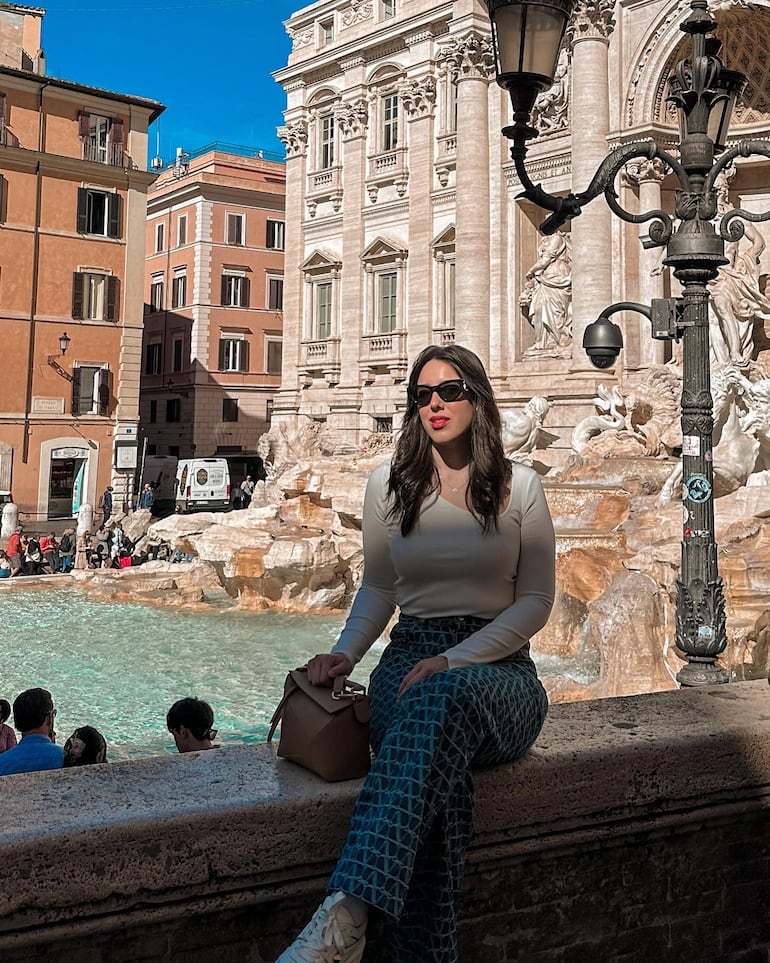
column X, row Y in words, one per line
column 447, row 391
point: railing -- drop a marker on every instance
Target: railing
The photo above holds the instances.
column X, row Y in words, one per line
column 318, row 353
column 447, row 145
column 443, row 336
column 384, row 348
column 324, row 183
column 7, row 137
column 112, row 154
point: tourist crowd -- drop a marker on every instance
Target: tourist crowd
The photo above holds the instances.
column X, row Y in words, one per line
column 190, row 721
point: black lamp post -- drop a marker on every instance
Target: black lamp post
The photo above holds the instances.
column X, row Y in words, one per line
column 527, row 35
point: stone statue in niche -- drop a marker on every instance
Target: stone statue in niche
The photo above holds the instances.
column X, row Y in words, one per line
column 521, row 429
column 549, row 113
column 737, row 301
column 547, row 297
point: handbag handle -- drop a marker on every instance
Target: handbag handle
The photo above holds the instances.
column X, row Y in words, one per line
column 343, row 688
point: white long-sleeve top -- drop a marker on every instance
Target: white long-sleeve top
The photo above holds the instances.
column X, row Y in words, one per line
column 448, row 566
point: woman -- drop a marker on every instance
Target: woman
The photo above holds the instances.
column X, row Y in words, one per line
column 461, row 540
column 7, row 735
column 5, row 565
column 83, row 550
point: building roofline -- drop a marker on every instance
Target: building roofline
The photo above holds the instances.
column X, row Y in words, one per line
column 154, row 106
column 21, row 8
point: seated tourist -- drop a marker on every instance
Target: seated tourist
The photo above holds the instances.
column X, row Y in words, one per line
column 7, row 735
column 85, row 747
column 190, row 722
column 5, row 565
column 33, row 716
column 33, row 557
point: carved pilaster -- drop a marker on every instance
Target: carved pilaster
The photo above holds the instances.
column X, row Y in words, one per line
column 592, row 19
column 352, row 118
column 294, row 137
column 418, row 97
column 469, row 57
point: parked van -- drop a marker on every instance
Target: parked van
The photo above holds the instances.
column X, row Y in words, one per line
column 159, row 471
column 202, row 484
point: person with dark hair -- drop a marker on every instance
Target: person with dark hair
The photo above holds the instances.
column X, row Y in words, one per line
column 461, row 540
column 33, row 716
column 190, row 721
column 105, row 503
column 7, row 735
column 5, row 565
column 85, row 747
column 67, row 549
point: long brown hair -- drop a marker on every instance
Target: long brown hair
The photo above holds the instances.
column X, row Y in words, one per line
column 412, row 473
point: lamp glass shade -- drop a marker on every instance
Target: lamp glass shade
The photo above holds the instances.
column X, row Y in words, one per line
column 527, row 39
column 731, row 85
column 64, row 342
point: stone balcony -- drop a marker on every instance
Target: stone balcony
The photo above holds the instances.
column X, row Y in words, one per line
column 320, row 359
column 384, row 352
column 387, row 167
column 324, row 185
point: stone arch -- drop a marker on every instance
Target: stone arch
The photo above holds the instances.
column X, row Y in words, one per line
column 384, row 73
column 323, row 95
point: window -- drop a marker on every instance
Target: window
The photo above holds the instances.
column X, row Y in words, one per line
column 325, row 145
column 235, row 291
column 181, row 230
column 233, row 353
column 160, row 236
column 153, row 417
column 229, row 409
column 156, row 293
column 235, row 229
column 452, row 107
column 179, row 290
column 274, row 360
column 102, row 138
column 386, row 310
column 176, row 361
column 450, row 293
column 153, row 358
column 268, row 411
column 94, row 296
column 382, row 425
column 275, row 294
column 98, row 212
column 388, row 9
column 173, row 450
column 327, row 32
column 323, row 310
column 90, row 390
column 173, row 409
column 390, row 122
column 276, row 233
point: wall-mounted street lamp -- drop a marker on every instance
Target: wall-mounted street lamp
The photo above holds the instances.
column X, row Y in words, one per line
column 64, row 343
column 526, row 36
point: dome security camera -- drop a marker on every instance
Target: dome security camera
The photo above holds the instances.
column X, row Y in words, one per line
column 602, row 342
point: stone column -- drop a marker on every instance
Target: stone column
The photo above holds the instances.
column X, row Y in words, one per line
column 351, row 118
column 648, row 175
column 294, row 136
column 418, row 97
column 472, row 60
column 590, row 124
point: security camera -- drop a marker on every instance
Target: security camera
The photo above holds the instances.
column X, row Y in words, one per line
column 602, row 341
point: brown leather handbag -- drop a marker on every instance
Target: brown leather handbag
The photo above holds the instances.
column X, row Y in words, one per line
column 324, row 730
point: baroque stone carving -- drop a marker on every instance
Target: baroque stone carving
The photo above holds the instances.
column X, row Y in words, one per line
column 521, row 429
column 644, row 170
column 547, row 296
column 550, row 112
column 469, row 56
column 294, row 137
column 418, row 97
column 352, row 118
column 609, row 403
column 592, row 18
column 358, row 12
column 300, row 38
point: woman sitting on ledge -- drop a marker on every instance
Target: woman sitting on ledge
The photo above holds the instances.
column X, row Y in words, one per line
column 462, row 541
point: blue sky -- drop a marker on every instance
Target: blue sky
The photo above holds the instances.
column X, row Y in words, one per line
column 208, row 61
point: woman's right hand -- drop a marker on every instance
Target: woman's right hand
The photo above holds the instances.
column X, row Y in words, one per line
column 323, row 669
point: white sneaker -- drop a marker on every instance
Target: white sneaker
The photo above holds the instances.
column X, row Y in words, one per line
column 331, row 936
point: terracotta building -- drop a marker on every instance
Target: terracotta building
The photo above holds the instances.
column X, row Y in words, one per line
column 214, row 302
column 404, row 224
column 72, row 215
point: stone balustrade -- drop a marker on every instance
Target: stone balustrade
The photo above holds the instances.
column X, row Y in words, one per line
column 637, row 829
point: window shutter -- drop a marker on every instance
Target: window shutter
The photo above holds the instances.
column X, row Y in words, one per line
column 245, row 285
column 3, row 185
column 116, row 131
column 269, row 235
column 115, row 205
column 103, row 391
column 224, row 289
column 76, row 391
column 113, row 291
column 222, row 351
column 244, row 355
column 82, row 215
column 84, row 123
column 77, row 295
column 3, row 118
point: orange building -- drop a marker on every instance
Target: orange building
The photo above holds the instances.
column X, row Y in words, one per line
column 73, row 206
column 214, row 312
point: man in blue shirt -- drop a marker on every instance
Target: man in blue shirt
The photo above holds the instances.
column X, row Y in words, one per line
column 33, row 716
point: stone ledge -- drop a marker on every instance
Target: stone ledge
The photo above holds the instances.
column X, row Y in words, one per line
column 141, row 846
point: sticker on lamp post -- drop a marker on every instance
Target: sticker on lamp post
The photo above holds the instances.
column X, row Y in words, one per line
column 698, row 488
column 691, row 446
column 705, row 633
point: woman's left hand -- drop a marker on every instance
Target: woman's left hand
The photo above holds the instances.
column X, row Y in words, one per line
column 423, row 670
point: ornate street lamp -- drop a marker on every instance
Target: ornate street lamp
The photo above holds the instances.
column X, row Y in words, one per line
column 64, row 342
column 704, row 91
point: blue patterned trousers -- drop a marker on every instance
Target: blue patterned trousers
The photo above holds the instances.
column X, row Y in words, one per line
column 413, row 821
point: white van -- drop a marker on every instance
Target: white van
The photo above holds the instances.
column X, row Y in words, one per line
column 202, row 484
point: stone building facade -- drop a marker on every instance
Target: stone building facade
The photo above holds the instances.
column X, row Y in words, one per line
column 403, row 223
column 214, row 297
column 73, row 197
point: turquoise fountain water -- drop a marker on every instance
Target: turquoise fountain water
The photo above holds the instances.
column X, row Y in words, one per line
column 119, row 666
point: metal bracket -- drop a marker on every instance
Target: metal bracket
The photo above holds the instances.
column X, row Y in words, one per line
column 667, row 318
